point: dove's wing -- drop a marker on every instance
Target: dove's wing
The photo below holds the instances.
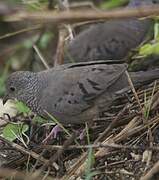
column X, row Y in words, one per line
column 112, row 39
column 74, row 89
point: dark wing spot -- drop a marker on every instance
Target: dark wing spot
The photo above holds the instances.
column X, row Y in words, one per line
column 75, row 102
column 82, row 88
column 123, row 42
column 114, row 40
column 87, row 50
column 96, row 88
column 108, row 50
column 93, row 69
column 60, row 99
column 92, row 82
column 66, row 92
column 69, row 102
column 98, row 69
column 99, row 50
column 94, row 85
column 90, row 96
column 86, row 96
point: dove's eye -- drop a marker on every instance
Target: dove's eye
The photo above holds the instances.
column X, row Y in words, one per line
column 12, row 88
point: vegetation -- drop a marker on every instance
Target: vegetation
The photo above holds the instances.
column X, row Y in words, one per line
column 122, row 144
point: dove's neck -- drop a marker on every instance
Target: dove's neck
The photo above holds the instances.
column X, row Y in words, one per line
column 31, row 94
column 42, row 80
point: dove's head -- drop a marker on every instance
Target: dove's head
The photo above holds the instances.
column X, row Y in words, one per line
column 21, row 85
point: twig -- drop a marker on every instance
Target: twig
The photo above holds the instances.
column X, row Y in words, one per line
column 14, row 174
column 113, row 164
column 154, row 170
column 25, row 151
column 41, row 56
column 101, row 145
column 87, row 15
column 63, row 5
column 59, row 51
column 130, row 129
column 111, row 125
column 58, row 154
column 134, row 91
column 36, row 27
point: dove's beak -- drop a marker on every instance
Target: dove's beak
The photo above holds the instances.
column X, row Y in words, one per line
column 5, row 99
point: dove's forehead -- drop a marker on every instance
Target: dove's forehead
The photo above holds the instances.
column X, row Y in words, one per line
column 19, row 76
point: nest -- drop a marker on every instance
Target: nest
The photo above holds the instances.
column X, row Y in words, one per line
column 122, row 143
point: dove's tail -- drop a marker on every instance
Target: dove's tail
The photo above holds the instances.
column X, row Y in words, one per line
column 144, row 77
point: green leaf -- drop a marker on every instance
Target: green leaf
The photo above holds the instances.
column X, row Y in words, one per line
column 38, row 119
column 112, row 4
column 35, row 5
column 12, row 131
column 89, row 164
column 156, row 31
column 22, row 108
column 156, row 48
column 29, row 42
column 149, row 49
column 146, row 49
column 45, row 39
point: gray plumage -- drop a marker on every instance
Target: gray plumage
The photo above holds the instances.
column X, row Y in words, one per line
column 73, row 93
column 111, row 40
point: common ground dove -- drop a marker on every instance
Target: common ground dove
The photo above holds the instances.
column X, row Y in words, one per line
column 110, row 40
column 73, row 93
